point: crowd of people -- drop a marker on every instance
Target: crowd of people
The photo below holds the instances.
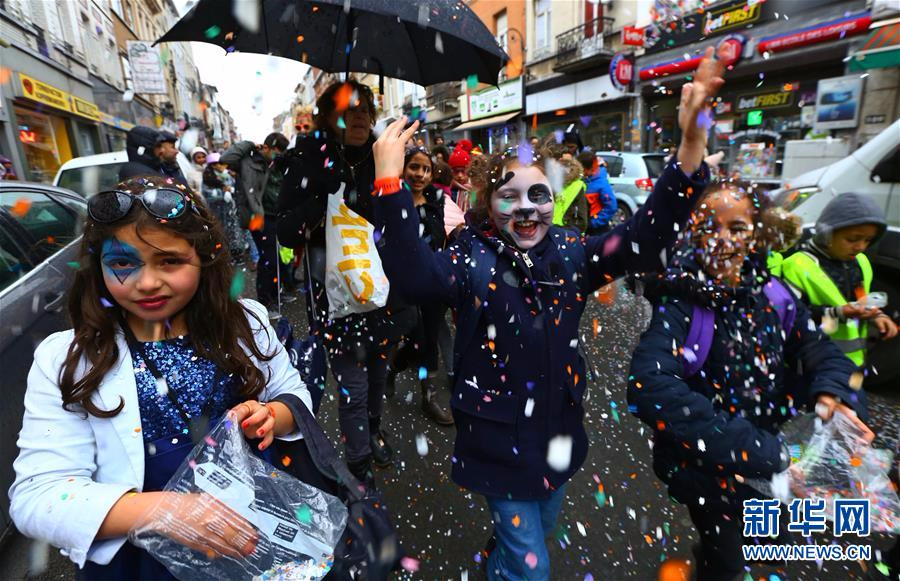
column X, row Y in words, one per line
column 509, row 246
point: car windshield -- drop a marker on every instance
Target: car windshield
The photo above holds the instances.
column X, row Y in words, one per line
column 655, row 164
column 87, row 181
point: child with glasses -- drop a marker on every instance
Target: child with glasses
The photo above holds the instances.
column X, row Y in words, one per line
column 159, row 350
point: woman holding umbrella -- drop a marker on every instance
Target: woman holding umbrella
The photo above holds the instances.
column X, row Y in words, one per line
column 340, row 151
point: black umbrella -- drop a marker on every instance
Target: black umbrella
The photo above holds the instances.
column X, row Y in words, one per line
column 425, row 42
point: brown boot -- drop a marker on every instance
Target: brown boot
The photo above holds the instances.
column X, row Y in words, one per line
column 431, row 408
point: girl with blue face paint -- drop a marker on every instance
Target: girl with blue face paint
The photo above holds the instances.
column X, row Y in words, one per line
column 158, row 352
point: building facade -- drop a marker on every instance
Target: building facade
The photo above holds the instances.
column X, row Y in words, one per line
column 67, row 81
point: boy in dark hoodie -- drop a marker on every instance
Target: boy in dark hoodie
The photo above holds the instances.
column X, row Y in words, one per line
column 833, row 275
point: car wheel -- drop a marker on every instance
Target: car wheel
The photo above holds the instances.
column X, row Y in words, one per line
column 882, row 355
column 623, row 212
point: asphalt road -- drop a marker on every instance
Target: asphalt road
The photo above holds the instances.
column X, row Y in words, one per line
column 631, row 535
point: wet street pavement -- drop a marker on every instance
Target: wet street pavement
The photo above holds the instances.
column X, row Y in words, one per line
column 627, row 531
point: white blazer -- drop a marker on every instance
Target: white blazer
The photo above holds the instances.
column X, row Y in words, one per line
column 72, row 467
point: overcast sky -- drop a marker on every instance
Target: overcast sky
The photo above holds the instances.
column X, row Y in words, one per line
column 253, row 88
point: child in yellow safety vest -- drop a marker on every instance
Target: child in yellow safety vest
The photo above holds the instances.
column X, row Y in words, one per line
column 834, row 276
column 570, row 205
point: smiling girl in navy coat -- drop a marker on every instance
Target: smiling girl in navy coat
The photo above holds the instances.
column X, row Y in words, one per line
column 715, row 404
column 520, row 287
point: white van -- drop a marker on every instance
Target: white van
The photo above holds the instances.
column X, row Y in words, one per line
column 874, row 170
column 95, row 173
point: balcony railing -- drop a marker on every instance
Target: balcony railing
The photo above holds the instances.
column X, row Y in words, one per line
column 584, row 46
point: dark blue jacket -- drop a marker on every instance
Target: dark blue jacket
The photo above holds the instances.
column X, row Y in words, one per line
column 520, row 380
column 723, row 420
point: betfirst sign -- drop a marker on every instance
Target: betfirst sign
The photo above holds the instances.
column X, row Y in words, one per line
column 765, row 100
column 724, row 19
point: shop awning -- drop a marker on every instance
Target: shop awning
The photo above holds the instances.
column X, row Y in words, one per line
column 881, row 49
column 486, row 122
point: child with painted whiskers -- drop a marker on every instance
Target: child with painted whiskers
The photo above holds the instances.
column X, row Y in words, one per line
column 158, row 352
column 724, row 363
column 519, row 285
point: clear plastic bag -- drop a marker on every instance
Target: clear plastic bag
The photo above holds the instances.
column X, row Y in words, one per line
column 832, row 459
column 226, row 514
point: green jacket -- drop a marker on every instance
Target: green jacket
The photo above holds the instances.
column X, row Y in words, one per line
column 571, row 206
column 803, row 272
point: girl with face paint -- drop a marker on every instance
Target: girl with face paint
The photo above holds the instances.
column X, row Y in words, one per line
column 159, row 351
column 716, row 398
column 519, row 285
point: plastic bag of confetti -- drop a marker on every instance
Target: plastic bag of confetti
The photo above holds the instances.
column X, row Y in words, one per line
column 227, row 514
column 833, row 459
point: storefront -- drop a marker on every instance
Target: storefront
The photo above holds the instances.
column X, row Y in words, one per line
column 595, row 107
column 491, row 117
column 770, row 93
column 51, row 126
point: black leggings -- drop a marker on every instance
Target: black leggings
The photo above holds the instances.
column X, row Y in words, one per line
column 421, row 346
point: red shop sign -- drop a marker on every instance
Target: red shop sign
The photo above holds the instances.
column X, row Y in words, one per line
column 854, row 24
column 621, row 71
column 729, row 50
column 633, row 36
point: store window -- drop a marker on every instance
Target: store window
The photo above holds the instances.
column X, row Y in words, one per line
column 45, row 142
column 541, row 24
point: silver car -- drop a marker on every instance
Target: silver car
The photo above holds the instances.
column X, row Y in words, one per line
column 40, row 230
column 632, row 177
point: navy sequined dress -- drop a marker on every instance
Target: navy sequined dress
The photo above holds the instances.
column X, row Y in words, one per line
column 201, row 391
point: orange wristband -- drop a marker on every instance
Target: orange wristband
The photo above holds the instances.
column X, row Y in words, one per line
column 387, row 186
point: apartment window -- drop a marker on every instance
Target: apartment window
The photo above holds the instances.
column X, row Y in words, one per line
column 129, row 14
column 116, row 6
column 54, row 24
column 501, row 28
column 542, row 24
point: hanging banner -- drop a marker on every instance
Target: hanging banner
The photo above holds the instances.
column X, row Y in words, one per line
column 147, row 71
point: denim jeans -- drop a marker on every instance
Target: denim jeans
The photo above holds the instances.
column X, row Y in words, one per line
column 520, row 528
column 361, row 388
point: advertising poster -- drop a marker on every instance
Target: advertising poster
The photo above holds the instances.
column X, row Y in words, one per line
column 838, row 101
column 146, row 68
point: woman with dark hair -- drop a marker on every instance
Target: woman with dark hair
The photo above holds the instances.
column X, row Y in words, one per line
column 420, row 351
column 158, row 351
column 340, row 152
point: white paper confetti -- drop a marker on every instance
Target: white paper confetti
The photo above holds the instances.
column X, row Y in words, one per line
column 559, row 453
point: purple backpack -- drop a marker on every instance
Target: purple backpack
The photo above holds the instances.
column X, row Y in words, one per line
column 700, row 333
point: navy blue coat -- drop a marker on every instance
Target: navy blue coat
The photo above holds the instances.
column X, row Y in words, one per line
column 520, row 381
column 724, row 419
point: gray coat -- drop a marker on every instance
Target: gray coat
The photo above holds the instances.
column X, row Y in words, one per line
column 253, row 174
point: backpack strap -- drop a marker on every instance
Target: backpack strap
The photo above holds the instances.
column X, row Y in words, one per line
column 782, row 300
column 699, row 340
column 700, row 333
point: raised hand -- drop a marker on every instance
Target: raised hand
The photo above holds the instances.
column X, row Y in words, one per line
column 390, row 149
column 694, row 116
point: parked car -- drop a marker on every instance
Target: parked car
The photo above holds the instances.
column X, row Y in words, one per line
column 874, row 170
column 95, row 173
column 632, row 176
column 40, row 229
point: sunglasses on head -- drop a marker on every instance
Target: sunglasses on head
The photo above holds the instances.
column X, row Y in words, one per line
column 161, row 203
